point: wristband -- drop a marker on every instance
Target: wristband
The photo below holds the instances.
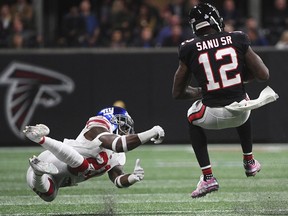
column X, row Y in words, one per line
column 146, row 135
column 132, row 179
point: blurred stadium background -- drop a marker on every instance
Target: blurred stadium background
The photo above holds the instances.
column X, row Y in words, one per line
column 130, row 23
column 91, row 53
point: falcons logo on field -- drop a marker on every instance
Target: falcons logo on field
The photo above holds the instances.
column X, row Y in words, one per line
column 30, row 86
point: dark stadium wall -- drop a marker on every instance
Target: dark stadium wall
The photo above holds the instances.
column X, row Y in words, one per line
column 142, row 79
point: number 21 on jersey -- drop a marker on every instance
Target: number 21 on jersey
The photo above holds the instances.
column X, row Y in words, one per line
column 223, row 70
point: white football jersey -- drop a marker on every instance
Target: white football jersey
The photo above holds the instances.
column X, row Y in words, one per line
column 86, row 147
column 101, row 160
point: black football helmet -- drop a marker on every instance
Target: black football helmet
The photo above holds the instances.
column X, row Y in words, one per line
column 203, row 15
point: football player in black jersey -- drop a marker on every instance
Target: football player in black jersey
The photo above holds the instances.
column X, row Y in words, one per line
column 221, row 63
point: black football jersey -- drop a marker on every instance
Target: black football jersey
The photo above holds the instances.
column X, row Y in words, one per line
column 217, row 62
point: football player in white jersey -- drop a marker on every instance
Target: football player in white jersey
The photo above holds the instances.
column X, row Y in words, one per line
column 99, row 148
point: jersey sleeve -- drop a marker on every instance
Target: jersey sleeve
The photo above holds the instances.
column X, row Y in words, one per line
column 184, row 50
column 98, row 121
column 243, row 40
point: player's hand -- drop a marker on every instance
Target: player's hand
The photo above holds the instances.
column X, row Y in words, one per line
column 138, row 173
column 160, row 134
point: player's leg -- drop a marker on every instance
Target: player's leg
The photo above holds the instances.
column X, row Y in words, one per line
column 42, row 184
column 199, row 145
column 41, row 173
column 64, row 153
column 251, row 165
column 207, row 182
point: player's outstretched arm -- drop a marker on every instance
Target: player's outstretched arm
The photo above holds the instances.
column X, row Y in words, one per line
column 125, row 143
column 129, row 142
column 122, row 180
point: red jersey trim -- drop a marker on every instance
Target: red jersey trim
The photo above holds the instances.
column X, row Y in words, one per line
column 99, row 121
column 197, row 115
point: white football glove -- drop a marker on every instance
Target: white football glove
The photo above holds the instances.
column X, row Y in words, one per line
column 138, row 173
column 160, row 134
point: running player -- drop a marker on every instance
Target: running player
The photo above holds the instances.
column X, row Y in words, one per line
column 221, row 63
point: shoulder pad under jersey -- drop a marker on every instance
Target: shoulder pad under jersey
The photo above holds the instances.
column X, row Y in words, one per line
column 98, row 121
column 185, row 48
column 241, row 37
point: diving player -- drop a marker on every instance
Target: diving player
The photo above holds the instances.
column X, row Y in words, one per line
column 99, row 148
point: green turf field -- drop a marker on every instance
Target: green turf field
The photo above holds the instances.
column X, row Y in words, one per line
column 171, row 173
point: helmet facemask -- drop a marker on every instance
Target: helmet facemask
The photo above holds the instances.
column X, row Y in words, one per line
column 121, row 121
column 124, row 124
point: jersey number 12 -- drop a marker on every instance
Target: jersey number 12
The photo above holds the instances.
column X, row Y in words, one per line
column 223, row 70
